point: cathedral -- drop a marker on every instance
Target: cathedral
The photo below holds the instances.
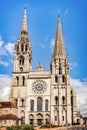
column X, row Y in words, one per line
column 42, row 96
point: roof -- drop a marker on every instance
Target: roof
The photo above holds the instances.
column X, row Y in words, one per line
column 6, row 104
column 9, row 117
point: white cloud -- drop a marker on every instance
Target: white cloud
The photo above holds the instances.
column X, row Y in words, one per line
column 6, row 47
column 73, row 64
column 9, row 48
column 5, row 84
column 52, row 42
column 4, row 63
column 66, row 12
column 81, row 92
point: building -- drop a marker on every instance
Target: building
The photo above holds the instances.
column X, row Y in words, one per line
column 8, row 114
column 42, row 96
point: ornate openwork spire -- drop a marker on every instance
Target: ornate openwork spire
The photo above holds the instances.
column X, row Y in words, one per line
column 59, row 43
column 24, row 24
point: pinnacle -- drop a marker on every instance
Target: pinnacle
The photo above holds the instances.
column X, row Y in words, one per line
column 24, row 24
column 59, row 43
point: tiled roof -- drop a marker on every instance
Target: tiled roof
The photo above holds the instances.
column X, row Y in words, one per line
column 9, row 117
column 6, row 104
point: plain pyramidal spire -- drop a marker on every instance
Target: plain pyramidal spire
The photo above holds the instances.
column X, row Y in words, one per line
column 24, row 24
column 59, row 43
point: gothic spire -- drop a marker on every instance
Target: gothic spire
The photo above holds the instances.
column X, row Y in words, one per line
column 59, row 43
column 24, row 24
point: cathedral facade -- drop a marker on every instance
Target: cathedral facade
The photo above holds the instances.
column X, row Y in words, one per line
column 42, row 96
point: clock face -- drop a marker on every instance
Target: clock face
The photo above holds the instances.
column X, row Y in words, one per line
column 39, row 86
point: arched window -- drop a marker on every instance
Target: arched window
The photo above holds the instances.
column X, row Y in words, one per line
column 22, row 47
column 39, row 104
column 23, row 79
column 60, row 70
column 32, row 105
column 26, row 48
column 17, row 80
column 63, row 79
column 63, row 99
column 21, row 60
column 56, row 100
column 46, row 105
column 56, row 79
column 22, row 103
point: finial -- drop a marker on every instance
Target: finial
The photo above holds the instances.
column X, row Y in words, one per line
column 25, row 6
column 58, row 15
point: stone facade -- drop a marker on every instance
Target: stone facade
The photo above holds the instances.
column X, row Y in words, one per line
column 42, row 96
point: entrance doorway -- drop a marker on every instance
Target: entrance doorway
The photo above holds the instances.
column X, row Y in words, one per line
column 31, row 122
column 39, row 121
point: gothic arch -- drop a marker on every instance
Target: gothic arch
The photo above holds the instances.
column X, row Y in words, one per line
column 22, row 102
column 21, row 60
column 63, row 99
column 39, row 116
column 31, row 119
column 46, row 104
column 17, row 80
column 31, row 105
column 23, row 80
column 39, row 104
column 47, row 118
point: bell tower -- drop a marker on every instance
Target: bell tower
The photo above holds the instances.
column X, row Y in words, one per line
column 22, row 67
column 60, row 81
column 23, row 52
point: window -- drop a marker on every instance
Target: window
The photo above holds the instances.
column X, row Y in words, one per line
column 63, row 100
column 60, row 70
column 56, row 100
column 63, row 79
column 17, row 80
column 22, row 102
column 55, row 118
column 46, row 105
column 21, row 60
column 5, row 122
column 26, row 48
column 23, row 78
column 22, row 47
column 63, row 118
column 32, row 105
column 39, row 104
column 56, row 79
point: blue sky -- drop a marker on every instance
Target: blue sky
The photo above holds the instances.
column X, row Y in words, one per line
column 42, row 16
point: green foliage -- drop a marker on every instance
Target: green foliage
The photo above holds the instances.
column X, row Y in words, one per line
column 28, row 127
column 10, row 128
column 18, row 127
column 48, row 126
